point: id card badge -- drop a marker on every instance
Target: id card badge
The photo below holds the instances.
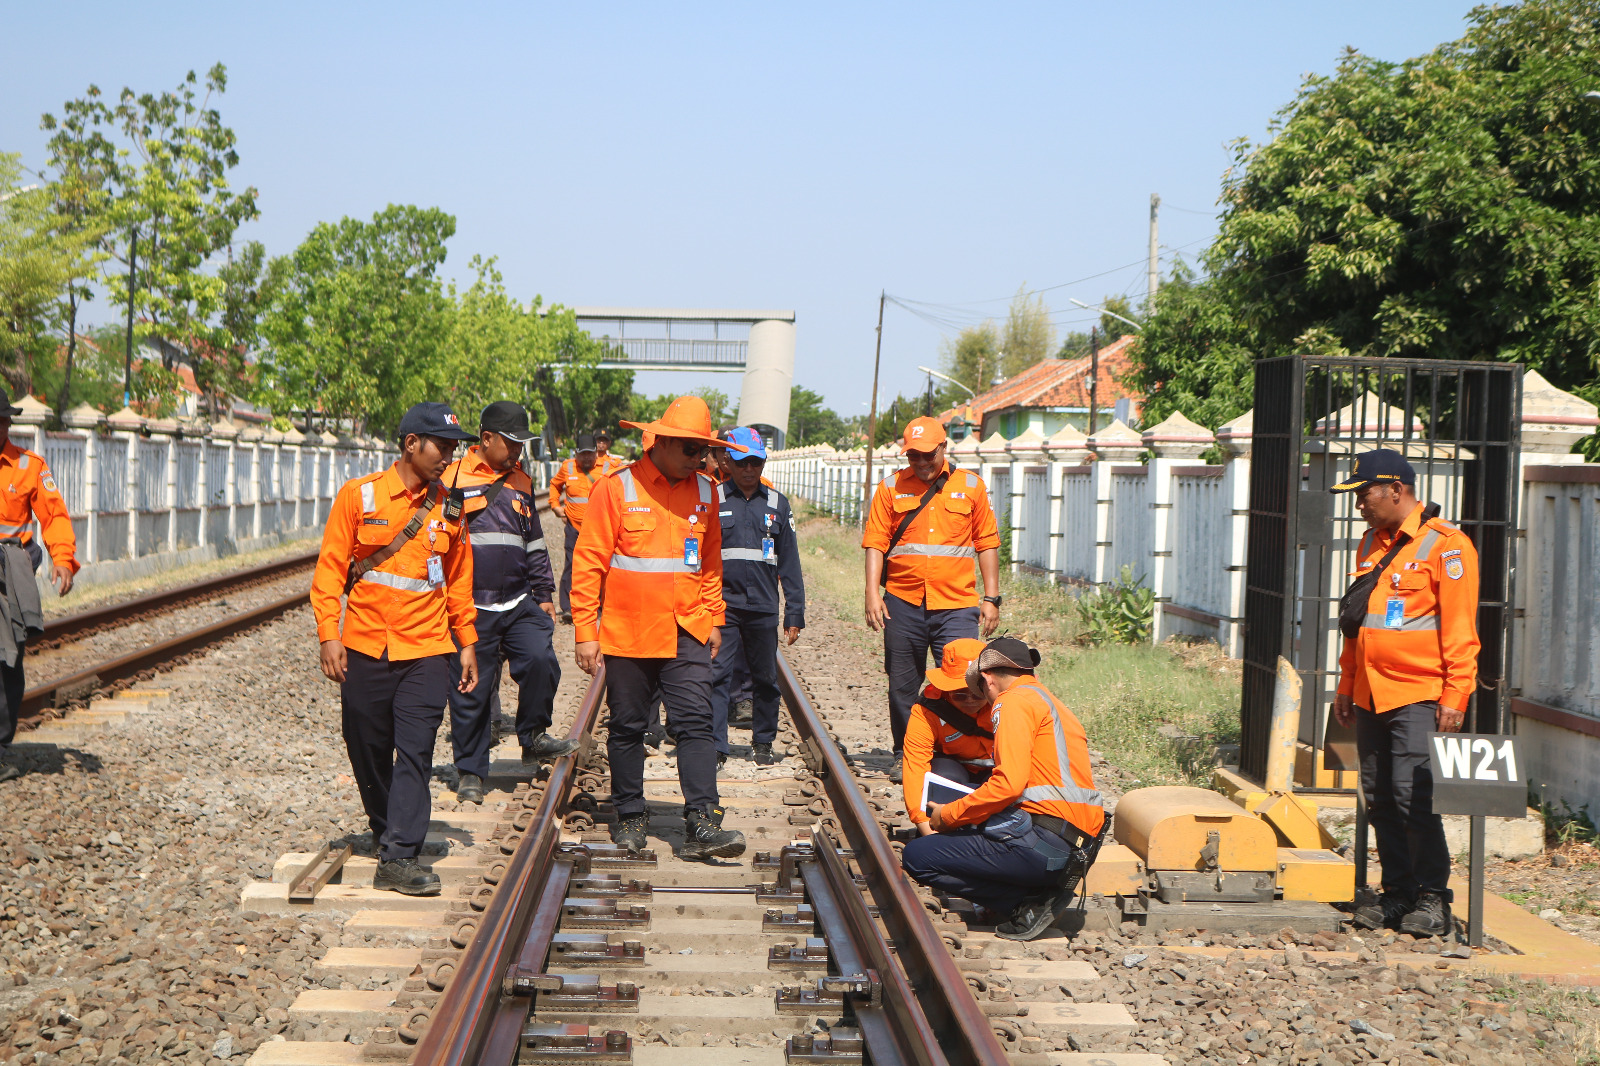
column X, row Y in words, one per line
column 1394, row 617
column 769, row 549
column 691, row 552
column 435, row 571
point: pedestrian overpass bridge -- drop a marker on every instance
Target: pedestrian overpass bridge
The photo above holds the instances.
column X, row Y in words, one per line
column 758, row 344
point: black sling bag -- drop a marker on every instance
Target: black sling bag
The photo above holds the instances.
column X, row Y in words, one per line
column 360, row 567
column 961, row 723
column 905, row 524
column 1353, row 604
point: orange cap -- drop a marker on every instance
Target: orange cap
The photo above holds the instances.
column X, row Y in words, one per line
column 687, row 416
column 951, row 673
column 922, row 434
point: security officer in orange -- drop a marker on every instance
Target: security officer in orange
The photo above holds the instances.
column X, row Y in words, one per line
column 1408, row 667
column 27, row 491
column 398, row 548
column 927, row 524
column 950, row 732
column 513, row 590
column 651, row 550
column 569, row 498
column 1021, row 841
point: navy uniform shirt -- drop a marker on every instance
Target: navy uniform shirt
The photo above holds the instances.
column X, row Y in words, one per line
column 508, row 551
column 751, row 569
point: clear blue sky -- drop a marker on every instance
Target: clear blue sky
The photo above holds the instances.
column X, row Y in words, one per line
column 743, row 155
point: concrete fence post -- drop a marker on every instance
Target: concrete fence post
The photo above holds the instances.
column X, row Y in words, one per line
column 1235, row 438
column 1172, row 442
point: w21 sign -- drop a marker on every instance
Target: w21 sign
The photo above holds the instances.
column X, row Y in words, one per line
column 1477, row 774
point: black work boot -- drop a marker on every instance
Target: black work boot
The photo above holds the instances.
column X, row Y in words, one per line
column 704, row 838
column 894, row 771
column 630, row 831
column 407, row 877
column 7, row 772
column 469, row 789
column 744, row 714
column 1373, row 911
column 1038, row 912
column 762, row 754
column 1430, row 917
column 545, row 746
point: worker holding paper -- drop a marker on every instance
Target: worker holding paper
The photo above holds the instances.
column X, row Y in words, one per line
column 950, row 732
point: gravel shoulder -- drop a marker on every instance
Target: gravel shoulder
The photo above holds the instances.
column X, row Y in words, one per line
column 83, row 597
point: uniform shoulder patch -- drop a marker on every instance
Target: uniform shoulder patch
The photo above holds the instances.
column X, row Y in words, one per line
column 49, row 482
column 1454, row 568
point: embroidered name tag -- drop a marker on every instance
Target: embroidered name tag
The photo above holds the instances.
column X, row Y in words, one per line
column 374, row 521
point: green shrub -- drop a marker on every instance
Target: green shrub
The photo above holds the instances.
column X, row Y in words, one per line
column 1119, row 612
column 1005, row 539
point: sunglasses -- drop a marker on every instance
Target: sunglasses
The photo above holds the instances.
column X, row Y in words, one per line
column 749, row 461
column 922, row 457
column 693, row 449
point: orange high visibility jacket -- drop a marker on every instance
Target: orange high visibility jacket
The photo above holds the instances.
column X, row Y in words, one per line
column 631, row 550
column 394, row 608
column 928, row 735
column 27, row 490
column 1429, row 651
column 578, row 486
column 933, row 561
column 1041, row 760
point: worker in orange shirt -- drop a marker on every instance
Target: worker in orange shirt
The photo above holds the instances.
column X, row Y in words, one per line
column 608, row 463
column 926, row 526
column 29, row 492
column 651, row 548
column 1023, row 840
column 397, row 548
column 950, row 731
column 1408, row 667
column 569, row 498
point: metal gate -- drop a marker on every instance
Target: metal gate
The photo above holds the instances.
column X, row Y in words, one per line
column 1457, row 423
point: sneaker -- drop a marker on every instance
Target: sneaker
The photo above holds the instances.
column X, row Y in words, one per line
column 1380, row 911
column 8, row 772
column 704, row 837
column 469, row 789
column 1430, row 917
column 629, row 831
column 744, row 714
column 894, row 771
column 407, row 877
column 545, row 746
column 762, row 755
column 1038, row 912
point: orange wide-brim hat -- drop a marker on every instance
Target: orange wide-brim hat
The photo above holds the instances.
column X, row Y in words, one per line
column 688, row 417
column 951, row 673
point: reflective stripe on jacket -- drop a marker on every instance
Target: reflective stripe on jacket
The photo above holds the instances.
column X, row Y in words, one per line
column 632, row 550
column 1430, row 651
column 28, row 491
column 750, row 578
column 509, row 561
column 932, row 562
column 393, row 608
column 1041, row 761
column 578, row 487
column 928, row 735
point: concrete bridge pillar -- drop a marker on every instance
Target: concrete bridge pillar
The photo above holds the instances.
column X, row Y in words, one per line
column 768, row 375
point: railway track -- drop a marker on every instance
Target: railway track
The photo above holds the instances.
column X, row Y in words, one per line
column 550, row 945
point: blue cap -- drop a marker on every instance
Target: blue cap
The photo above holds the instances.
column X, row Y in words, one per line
column 1379, row 467
column 433, row 420
column 755, row 447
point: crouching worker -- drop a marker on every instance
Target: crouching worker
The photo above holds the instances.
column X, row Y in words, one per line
column 1021, row 841
column 950, row 731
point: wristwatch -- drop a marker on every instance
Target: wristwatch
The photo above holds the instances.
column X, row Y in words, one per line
column 993, row 599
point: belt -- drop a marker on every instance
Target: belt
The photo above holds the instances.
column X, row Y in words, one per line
column 1060, row 827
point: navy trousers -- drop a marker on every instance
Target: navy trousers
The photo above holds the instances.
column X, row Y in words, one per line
column 684, row 682
column 521, row 636
column 1398, row 781
column 750, row 642
column 911, row 632
column 992, row 873
column 566, row 569
column 13, row 685
column 391, row 714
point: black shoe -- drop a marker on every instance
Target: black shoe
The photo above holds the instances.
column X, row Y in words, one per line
column 704, row 837
column 744, row 714
column 894, row 771
column 722, row 759
column 469, row 789
column 566, row 618
column 407, row 877
column 629, row 831
column 1380, row 911
column 1038, row 912
column 653, row 738
column 8, row 772
column 1430, row 917
column 762, row 755
column 545, row 746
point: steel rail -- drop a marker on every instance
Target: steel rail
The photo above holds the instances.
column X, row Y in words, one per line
column 949, row 1018
column 475, row 1016
column 81, row 622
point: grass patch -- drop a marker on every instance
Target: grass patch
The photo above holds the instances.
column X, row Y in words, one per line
column 1562, row 1004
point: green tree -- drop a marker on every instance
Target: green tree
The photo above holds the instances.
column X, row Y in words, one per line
column 358, row 317
column 811, row 422
column 970, row 358
column 1444, row 207
column 1029, row 337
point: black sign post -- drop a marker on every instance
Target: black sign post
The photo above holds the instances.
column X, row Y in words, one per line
column 1477, row 775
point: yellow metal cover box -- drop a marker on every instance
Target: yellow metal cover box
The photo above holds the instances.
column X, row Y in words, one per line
column 1171, row 826
column 1318, row 876
column 1117, row 871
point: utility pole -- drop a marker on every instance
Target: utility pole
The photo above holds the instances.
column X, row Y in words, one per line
column 872, row 412
column 127, row 363
column 1094, row 373
column 1155, row 273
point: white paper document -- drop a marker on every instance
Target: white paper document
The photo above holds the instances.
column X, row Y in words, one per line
column 936, row 789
